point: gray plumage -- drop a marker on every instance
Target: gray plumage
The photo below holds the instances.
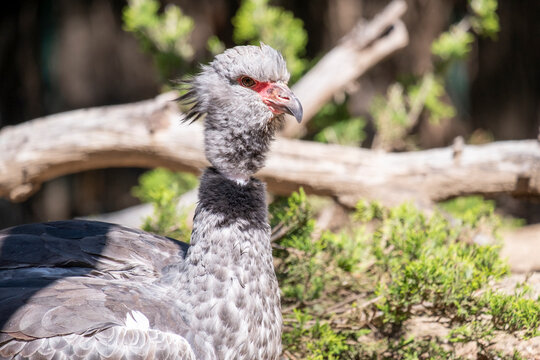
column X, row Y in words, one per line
column 235, row 114
column 91, row 290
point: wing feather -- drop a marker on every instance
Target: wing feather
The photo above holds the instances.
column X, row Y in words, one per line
column 67, row 281
column 113, row 344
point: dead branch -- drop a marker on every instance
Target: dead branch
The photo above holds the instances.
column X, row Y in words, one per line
column 149, row 134
column 366, row 45
column 146, row 134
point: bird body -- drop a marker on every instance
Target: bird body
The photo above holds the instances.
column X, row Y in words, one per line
column 92, row 290
column 233, row 279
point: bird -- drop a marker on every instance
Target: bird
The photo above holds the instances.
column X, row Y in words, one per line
column 80, row 289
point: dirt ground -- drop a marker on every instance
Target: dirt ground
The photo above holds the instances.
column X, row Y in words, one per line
column 522, row 249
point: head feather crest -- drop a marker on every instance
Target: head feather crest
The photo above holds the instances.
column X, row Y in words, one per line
column 262, row 63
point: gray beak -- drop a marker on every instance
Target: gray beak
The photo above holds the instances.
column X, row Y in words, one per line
column 280, row 99
column 294, row 108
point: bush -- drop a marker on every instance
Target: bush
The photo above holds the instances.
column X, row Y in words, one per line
column 365, row 284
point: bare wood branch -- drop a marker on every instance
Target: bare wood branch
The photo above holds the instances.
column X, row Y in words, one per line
column 149, row 134
column 366, row 45
column 146, row 134
column 349, row 174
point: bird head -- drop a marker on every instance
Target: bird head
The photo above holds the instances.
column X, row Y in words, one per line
column 243, row 78
column 244, row 94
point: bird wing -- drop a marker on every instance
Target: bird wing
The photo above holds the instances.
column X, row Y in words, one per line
column 119, row 342
column 87, row 244
column 81, row 277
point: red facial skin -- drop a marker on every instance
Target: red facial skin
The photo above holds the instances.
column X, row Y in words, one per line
column 261, row 86
column 270, row 92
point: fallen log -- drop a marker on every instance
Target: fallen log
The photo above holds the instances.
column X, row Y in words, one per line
column 149, row 134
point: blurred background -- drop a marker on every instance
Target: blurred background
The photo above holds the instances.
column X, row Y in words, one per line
column 61, row 55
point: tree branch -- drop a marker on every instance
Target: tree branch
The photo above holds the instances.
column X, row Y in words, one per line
column 150, row 134
column 366, row 45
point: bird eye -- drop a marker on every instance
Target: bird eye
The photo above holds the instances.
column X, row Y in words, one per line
column 247, row 81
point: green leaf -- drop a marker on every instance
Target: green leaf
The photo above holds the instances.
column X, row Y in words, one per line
column 165, row 36
column 486, row 21
column 347, row 132
column 453, row 44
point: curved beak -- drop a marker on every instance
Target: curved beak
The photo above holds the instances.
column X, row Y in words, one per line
column 280, row 99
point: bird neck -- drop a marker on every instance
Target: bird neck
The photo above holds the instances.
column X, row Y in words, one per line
column 236, row 145
column 229, row 266
column 238, row 177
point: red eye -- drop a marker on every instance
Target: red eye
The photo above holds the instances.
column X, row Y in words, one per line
column 247, row 82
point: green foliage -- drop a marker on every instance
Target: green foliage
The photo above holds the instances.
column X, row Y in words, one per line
column 431, row 92
column 399, row 111
column 426, row 264
column 345, row 250
column 325, row 343
column 407, row 264
column 486, row 21
column 514, row 313
column 391, row 118
column 299, row 273
column 350, row 132
column 391, row 109
column 215, row 46
column 165, row 36
column 445, row 277
column 367, row 211
column 305, row 259
column 412, row 349
column 499, row 312
column 162, row 188
column 291, row 218
column 454, row 44
column 470, row 209
column 293, row 338
column 161, row 183
column 316, row 339
column 257, row 21
column 333, row 124
column 479, row 330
